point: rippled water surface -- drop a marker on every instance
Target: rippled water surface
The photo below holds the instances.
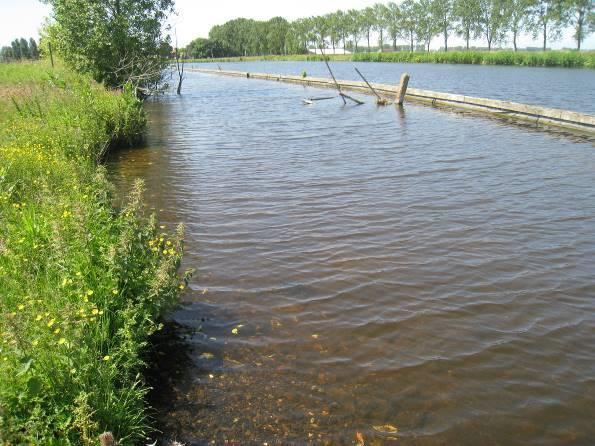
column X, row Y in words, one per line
column 565, row 88
column 419, row 268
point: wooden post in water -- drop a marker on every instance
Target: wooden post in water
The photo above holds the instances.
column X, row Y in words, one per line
column 402, row 90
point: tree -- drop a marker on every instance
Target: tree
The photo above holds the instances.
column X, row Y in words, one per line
column 409, row 23
column 277, row 29
column 394, row 25
column 116, row 41
column 582, row 18
column 333, row 29
column 516, row 12
column 492, row 20
column 380, row 22
column 201, row 48
column 6, row 53
column 354, row 25
column 342, row 24
column 425, row 28
column 24, row 46
column 16, row 49
column 443, row 16
column 367, row 20
column 298, row 36
column 547, row 18
column 33, row 50
column 467, row 14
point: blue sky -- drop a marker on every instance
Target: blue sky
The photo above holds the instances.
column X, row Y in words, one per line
column 23, row 18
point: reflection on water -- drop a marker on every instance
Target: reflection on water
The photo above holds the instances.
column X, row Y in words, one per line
column 361, row 266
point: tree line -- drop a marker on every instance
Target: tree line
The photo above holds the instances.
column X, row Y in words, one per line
column 416, row 22
column 20, row 49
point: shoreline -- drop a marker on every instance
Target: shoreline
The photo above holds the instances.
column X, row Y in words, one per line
column 547, row 59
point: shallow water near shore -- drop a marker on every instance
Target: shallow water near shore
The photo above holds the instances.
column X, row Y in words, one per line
column 361, row 267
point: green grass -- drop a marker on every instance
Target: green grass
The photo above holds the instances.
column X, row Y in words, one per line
column 571, row 59
column 82, row 285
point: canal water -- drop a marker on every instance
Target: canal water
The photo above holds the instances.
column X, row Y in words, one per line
column 565, row 88
column 370, row 269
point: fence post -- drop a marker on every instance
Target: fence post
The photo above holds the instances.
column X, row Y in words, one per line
column 51, row 54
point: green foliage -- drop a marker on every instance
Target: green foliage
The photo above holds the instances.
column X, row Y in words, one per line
column 20, row 49
column 82, row 285
column 273, row 58
column 116, row 42
column 570, row 59
column 417, row 22
column 247, row 37
column 203, row 48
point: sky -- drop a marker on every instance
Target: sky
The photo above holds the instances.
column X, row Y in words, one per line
column 194, row 18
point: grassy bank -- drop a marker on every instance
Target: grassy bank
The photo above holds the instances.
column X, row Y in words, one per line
column 572, row 59
column 81, row 285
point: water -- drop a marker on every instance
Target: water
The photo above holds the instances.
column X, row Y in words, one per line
column 565, row 88
column 420, row 268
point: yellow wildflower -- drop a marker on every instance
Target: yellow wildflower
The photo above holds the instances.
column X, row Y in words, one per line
column 61, row 341
column 51, row 322
column 107, row 357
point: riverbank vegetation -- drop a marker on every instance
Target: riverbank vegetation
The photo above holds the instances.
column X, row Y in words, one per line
column 82, row 285
column 410, row 25
column 571, row 59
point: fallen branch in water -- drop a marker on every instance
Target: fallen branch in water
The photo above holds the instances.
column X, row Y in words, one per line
column 380, row 100
column 343, row 95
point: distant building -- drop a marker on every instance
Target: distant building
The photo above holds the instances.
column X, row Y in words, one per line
column 328, row 51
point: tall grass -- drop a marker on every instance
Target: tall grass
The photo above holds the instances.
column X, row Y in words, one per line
column 571, row 59
column 81, row 285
